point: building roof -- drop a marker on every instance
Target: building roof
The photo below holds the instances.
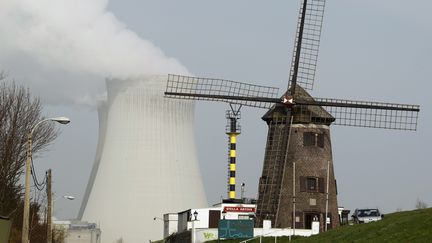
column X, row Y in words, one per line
column 302, row 113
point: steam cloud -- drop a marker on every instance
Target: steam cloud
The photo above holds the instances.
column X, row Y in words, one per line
column 78, row 36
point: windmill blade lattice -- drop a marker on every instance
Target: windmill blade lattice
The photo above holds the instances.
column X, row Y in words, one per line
column 310, row 41
column 368, row 114
column 186, row 87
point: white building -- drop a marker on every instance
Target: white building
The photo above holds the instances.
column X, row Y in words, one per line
column 205, row 225
column 146, row 162
column 79, row 231
column 209, row 217
column 202, row 223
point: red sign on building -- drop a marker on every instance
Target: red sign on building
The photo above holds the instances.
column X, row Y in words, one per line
column 239, row 209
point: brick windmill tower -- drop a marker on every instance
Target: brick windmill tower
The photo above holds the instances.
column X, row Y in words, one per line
column 298, row 183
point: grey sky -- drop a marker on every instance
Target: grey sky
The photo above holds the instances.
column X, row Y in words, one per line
column 370, row 50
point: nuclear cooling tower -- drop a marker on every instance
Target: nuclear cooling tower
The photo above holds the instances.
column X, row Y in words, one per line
column 146, row 163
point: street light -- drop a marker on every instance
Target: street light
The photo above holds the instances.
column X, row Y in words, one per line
column 25, row 229
column 193, row 226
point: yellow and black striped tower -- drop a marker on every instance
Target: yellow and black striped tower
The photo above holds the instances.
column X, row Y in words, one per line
column 232, row 130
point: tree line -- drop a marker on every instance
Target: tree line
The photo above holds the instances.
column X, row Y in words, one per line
column 19, row 113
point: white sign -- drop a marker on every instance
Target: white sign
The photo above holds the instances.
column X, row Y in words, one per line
column 315, row 227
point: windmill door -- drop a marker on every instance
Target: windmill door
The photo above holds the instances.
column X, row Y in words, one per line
column 309, row 218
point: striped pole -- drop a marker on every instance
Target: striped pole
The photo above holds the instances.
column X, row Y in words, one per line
column 232, row 166
column 232, row 134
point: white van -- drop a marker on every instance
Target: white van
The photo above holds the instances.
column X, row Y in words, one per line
column 361, row 216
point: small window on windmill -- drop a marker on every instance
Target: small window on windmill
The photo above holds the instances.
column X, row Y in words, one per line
column 308, row 139
column 320, row 140
column 312, row 184
column 321, row 185
column 313, row 139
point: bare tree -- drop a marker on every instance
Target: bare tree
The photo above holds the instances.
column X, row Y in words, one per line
column 19, row 112
column 420, row 204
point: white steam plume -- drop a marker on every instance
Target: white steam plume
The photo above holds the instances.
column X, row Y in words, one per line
column 78, row 36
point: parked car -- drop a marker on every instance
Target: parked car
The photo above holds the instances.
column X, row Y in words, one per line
column 361, row 216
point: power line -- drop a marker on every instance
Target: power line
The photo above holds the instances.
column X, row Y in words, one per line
column 39, row 186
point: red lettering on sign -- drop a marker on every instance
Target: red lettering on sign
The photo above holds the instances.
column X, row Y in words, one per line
column 239, row 209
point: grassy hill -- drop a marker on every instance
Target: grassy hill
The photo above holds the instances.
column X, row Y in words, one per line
column 408, row 226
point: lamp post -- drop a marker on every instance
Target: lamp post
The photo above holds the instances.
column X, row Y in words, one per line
column 26, row 212
column 193, row 226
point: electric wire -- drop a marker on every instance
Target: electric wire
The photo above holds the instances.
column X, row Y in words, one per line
column 39, row 185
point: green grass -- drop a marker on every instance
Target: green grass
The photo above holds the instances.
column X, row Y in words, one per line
column 265, row 240
column 409, row 226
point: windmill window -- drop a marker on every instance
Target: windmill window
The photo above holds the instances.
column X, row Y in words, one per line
column 320, row 140
column 313, row 139
column 312, row 184
column 308, row 139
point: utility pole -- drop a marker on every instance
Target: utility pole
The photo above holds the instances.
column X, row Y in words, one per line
column 327, row 195
column 26, row 213
column 49, row 209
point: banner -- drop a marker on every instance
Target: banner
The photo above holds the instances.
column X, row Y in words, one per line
column 235, row 228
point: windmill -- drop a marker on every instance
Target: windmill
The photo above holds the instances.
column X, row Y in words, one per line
column 298, row 184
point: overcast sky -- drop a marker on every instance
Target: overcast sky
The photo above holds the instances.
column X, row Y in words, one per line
column 370, row 50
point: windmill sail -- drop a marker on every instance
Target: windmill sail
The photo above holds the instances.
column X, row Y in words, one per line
column 344, row 112
column 186, row 87
column 307, row 43
column 371, row 114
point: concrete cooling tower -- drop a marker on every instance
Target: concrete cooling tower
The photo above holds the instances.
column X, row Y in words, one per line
column 146, row 163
